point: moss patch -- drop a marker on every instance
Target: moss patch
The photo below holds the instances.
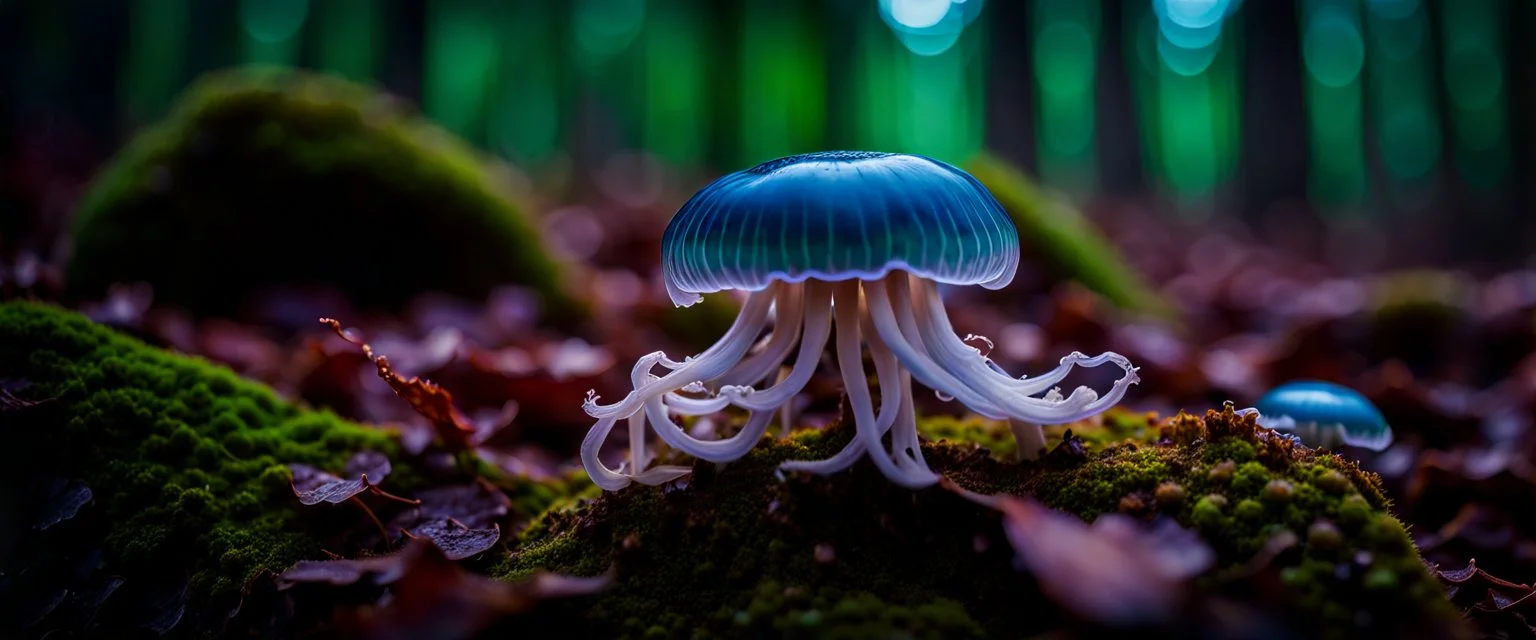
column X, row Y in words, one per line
column 268, row 176
column 732, row 551
column 187, row 461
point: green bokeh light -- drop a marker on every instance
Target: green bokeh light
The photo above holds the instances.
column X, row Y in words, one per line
column 676, row 124
column 526, row 121
column 1332, row 47
column 1064, row 58
column 1474, row 37
column 1334, row 53
column 1407, row 151
column 1401, row 85
column 783, row 93
column 271, row 28
column 1474, row 74
column 606, row 27
column 1065, row 61
column 460, row 66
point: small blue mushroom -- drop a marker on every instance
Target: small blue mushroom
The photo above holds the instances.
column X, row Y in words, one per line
column 856, row 239
column 1324, row 415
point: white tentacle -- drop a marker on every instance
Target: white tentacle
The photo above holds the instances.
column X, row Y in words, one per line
column 816, row 331
column 851, row 361
column 895, row 392
column 902, row 323
column 714, row 362
column 956, row 352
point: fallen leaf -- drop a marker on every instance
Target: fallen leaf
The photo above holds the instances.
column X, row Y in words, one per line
column 364, row 470
column 435, row 598
column 369, row 464
column 1115, row 572
column 9, row 401
column 477, row 505
column 456, row 540
column 63, row 503
column 383, row 569
column 431, row 401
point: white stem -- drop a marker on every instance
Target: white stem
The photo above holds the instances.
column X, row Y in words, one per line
column 786, row 412
column 1029, row 437
column 639, row 458
column 610, row 480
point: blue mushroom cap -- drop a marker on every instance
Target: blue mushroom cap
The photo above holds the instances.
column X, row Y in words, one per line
column 838, row 215
column 1324, row 414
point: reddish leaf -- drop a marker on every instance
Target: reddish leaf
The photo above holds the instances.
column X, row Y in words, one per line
column 431, row 401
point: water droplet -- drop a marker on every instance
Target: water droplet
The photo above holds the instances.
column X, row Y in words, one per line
column 943, row 397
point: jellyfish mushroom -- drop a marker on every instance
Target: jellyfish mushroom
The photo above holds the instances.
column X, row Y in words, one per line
column 1323, row 414
column 856, row 240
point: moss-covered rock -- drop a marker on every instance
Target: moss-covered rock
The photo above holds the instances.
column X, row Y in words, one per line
column 733, row 552
column 1063, row 241
column 186, row 462
column 271, row 176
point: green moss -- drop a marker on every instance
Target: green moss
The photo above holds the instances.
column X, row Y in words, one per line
column 983, row 433
column 792, row 612
column 269, row 176
column 732, row 547
column 1065, row 240
column 532, row 498
column 1112, row 427
column 186, row 460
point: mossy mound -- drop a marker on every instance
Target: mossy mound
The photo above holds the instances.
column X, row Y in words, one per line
column 187, row 462
column 733, row 552
column 271, row 176
column 1064, row 242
